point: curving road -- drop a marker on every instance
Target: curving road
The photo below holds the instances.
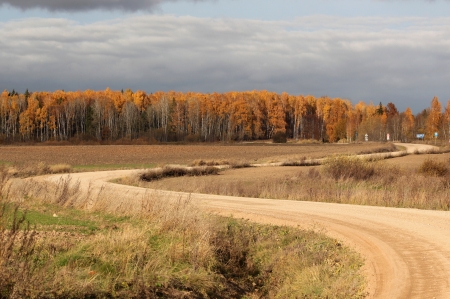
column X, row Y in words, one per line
column 407, row 251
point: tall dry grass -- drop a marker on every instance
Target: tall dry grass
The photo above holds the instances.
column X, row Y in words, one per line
column 170, row 171
column 40, row 169
column 349, row 180
column 160, row 247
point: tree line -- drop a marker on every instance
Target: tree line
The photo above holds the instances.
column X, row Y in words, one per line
column 108, row 116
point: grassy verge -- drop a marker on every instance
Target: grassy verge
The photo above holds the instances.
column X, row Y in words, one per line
column 50, row 248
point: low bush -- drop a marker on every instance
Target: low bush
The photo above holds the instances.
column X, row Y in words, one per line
column 344, row 167
column 165, row 172
column 432, row 167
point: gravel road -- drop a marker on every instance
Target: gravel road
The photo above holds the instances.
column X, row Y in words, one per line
column 407, row 251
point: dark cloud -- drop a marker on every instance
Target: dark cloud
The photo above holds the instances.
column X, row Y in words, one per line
column 369, row 59
column 85, row 5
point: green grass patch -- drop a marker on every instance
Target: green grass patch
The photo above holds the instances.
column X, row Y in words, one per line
column 141, row 255
column 50, row 217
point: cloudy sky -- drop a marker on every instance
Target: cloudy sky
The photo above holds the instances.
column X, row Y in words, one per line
column 371, row 50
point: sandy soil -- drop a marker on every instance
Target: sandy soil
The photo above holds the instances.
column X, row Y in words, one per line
column 407, row 251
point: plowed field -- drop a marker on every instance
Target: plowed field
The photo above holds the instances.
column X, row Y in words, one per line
column 134, row 156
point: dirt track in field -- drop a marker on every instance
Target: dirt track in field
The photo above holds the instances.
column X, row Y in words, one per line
column 407, row 251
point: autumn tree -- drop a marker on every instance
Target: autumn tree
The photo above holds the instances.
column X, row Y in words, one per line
column 434, row 118
column 407, row 125
column 446, row 121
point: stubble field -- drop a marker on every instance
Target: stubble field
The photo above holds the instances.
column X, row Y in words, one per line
column 137, row 156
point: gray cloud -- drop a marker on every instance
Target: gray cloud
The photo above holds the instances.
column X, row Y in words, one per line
column 400, row 60
column 85, row 5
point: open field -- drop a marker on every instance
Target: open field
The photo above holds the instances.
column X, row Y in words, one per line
column 393, row 241
column 91, row 158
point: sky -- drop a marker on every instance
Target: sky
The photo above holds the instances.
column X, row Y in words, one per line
column 363, row 50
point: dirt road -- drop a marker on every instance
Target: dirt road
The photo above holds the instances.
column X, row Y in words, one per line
column 407, row 251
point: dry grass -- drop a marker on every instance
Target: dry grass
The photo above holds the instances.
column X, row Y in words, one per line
column 379, row 183
column 40, row 169
column 431, row 167
column 221, row 163
column 161, row 248
column 302, row 162
column 170, row 171
column 388, row 148
column 201, row 162
column 343, row 168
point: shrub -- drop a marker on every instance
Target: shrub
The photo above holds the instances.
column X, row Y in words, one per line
column 343, row 167
column 279, row 137
column 153, row 175
column 431, row 167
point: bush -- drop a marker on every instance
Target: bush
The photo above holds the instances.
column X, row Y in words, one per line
column 343, row 167
column 431, row 167
column 153, row 175
column 279, row 137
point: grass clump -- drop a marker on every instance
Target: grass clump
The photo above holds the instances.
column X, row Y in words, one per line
column 431, row 167
column 165, row 172
column 344, row 167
